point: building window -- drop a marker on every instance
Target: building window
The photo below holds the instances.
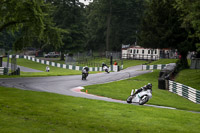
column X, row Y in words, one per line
column 131, row 50
column 134, row 51
column 142, row 51
column 151, row 51
column 137, row 51
column 148, row 51
column 155, row 51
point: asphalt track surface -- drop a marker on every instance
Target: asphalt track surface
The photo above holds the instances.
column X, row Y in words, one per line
column 71, row 85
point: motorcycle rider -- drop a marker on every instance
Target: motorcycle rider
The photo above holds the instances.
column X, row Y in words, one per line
column 105, row 67
column 85, row 70
column 146, row 87
column 103, row 64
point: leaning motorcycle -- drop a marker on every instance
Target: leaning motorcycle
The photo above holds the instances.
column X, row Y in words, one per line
column 142, row 97
column 105, row 68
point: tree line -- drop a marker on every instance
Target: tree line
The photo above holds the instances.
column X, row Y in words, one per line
column 104, row 25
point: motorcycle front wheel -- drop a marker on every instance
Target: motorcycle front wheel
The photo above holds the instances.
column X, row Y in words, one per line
column 143, row 100
column 83, row 77
column 129, row 99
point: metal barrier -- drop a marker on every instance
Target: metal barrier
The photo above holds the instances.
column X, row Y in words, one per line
column 185, row 91
column 151, row 67
column 66, row 66
column 3, row 71
column 195, row 63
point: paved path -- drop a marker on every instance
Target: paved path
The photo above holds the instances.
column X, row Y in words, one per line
column 23, row 69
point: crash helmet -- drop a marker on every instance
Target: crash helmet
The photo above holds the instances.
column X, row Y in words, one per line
column 149, row 85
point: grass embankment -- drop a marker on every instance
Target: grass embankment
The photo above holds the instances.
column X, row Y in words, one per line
column 163, row 61
column 122, row 89
column 28, row 111
column 54, row 71
column 189, row 77
column 99, row 61
column 129, row 63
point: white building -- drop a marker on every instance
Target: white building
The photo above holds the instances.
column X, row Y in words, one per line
column 137, row 52
column 86, row 2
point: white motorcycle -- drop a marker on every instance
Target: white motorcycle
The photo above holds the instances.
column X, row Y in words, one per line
column 105, row 68
column 141, row 98
column 84, row 74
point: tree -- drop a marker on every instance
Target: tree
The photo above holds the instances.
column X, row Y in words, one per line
column 190, row 14
column 161, row 28
column 69, row 15
column 112, row 23
column 31, row 19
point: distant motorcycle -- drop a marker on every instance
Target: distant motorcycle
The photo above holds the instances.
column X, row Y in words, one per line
column 84, row 74
column 141, row 98
column 105, row 68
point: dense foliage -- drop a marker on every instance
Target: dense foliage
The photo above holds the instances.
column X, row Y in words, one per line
column 163, row 26
column 113, row 23
column 104, row 25
column 28, row 20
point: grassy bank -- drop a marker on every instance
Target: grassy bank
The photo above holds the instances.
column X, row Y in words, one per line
column 189, row 77
column 122, row 89
column 26, row 111
column 54, row 71
column 163, row 61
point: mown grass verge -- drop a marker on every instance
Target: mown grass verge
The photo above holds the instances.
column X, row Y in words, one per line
column 163, row 61
column 122, row 89
column 126, row 63
column 189, row 77
column 54, row 71
column 27, row 111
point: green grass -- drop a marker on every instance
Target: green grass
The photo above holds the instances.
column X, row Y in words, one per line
column 27, row 111
column 122, row 89
column 189, row 77
column 54, row 71
column 129, row 63
column 163, row 61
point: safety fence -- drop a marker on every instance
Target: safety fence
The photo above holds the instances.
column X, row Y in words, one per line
column 3, row 71
column 151, row 67
column 140, row 57
column 71, row 67
column 185, row 91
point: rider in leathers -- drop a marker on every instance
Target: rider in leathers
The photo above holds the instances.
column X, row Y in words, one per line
column 146, row 87
column 86, row 70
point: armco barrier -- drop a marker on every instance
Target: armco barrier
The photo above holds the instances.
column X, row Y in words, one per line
column 151, row 67
column 185, row 91
column 3, row 71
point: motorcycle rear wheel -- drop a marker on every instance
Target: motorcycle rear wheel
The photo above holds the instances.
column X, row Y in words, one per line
column 143, row 100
